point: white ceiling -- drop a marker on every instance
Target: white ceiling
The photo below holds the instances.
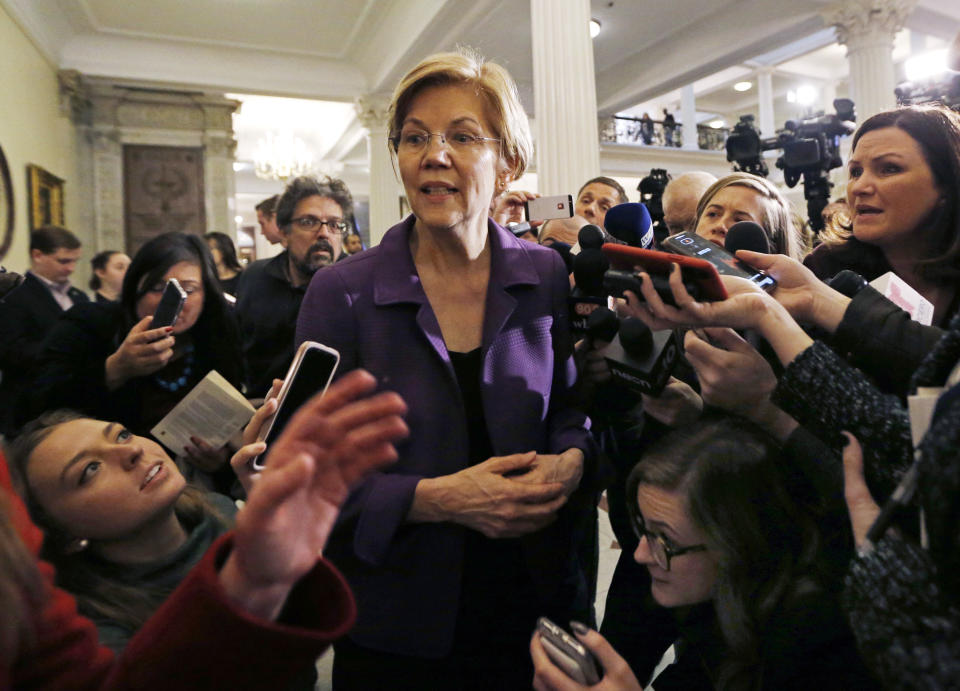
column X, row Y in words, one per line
column 338, row 50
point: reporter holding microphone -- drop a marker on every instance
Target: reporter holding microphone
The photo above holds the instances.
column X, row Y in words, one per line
column 457, row 549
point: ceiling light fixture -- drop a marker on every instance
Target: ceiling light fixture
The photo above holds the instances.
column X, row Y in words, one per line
column 594, row 28
column 281, row 156
column 743, row 86
column 716, row 124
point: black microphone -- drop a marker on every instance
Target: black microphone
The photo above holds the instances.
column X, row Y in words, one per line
column 602, row 325
column 747, row 235
column 848, row 283
column 564, row 250
column 641, row 359
column 587, row 294
column 590, row 237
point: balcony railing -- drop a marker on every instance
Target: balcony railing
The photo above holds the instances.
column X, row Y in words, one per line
column 639, row 132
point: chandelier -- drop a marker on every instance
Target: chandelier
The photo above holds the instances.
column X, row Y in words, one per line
column 280, row 156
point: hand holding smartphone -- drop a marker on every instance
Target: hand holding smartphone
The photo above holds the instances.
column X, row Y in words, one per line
column 546, row 208
column 171, row 304
column 310, row 372
column 692, row 245
column 568, row 653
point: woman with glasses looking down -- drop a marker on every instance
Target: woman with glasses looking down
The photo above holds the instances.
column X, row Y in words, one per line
column 457, row 549
column 731, row 541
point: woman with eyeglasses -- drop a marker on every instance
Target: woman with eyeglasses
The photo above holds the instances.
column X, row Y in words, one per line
column 731, row 541
column 458, row 548
column 108, row 362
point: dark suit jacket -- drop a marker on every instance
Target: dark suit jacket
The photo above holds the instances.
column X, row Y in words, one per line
column 27, row 314
column 372, row 308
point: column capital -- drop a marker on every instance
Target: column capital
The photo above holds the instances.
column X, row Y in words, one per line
column 372, row 111
column 859, row 21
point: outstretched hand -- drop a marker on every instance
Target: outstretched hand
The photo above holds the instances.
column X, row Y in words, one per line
column 744, row 307
column 806, row 297
column 328, row 446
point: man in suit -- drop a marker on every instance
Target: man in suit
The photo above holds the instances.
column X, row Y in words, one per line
column 29, row 312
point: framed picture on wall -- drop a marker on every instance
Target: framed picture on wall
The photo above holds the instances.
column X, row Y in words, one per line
column 6, row 207
column 45, row 191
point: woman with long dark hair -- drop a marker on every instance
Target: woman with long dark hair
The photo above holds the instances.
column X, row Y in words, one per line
column 732, row 544
column 107, row 361
column 905, row 213
column 225, row 259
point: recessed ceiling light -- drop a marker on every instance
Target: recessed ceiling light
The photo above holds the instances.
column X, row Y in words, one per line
column 716, row 124
column 743, row 86
column 594, row 28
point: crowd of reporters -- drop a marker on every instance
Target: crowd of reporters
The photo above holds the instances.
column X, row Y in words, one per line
column 456, row 488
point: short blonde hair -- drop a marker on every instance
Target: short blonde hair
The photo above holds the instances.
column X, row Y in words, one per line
column 491, row 81
column 783, row 235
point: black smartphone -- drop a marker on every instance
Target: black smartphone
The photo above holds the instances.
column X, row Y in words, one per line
column 692, row 245
column 168, row 311
column 310, row 372
column 568, row 653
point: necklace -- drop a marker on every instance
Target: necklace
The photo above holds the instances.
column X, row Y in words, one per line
column 181, row 381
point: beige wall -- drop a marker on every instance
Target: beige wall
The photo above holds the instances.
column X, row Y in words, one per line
column 33, row 130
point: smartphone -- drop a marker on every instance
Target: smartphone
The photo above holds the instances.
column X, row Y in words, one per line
column 168, row 311
column 546, row 208
column 310, row 372
column 568, row 653
column 700, row 276
column 692, row 245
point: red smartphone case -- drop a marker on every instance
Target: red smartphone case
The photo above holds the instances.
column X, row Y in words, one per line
column 695, row 270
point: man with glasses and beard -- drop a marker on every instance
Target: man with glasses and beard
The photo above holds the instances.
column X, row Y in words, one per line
column 312, row 214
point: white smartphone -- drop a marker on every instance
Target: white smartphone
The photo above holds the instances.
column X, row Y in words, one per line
column 310, row 372
column 546, row 208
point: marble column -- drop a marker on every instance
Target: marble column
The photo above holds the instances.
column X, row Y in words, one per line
column 688, row 116
column 765, row 102
column 867, row 28
column 565, row 95
column 385, row 188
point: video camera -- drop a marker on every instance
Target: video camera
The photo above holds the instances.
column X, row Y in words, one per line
column 651, row 195
column 811, row 149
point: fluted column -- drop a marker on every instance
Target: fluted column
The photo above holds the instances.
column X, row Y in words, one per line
column 688, row 116
column 385, row 189
column 565, row 95
column 765, row 102
column 867, row 28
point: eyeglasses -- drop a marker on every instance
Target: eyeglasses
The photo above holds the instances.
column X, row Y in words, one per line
column 661, row 551
column 416, row 141
column 313, row 224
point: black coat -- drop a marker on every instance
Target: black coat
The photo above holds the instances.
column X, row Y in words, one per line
column 27, row 314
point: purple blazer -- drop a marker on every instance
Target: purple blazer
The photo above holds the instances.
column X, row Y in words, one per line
column 372, row 308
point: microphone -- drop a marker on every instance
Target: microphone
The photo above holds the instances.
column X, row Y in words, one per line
column 587, row 295
column 590, row 237
column 565, row 251
column 602, row 325
column 747, row 235
column 848, row 282
column 641, row 359
column 630, row 223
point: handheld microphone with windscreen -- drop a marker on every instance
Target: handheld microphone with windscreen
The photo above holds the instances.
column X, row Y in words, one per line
column 747, row 235
column 589, row 267
column 631, row 224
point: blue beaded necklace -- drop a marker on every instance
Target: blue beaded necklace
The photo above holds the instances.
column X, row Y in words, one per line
column 181, row 381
